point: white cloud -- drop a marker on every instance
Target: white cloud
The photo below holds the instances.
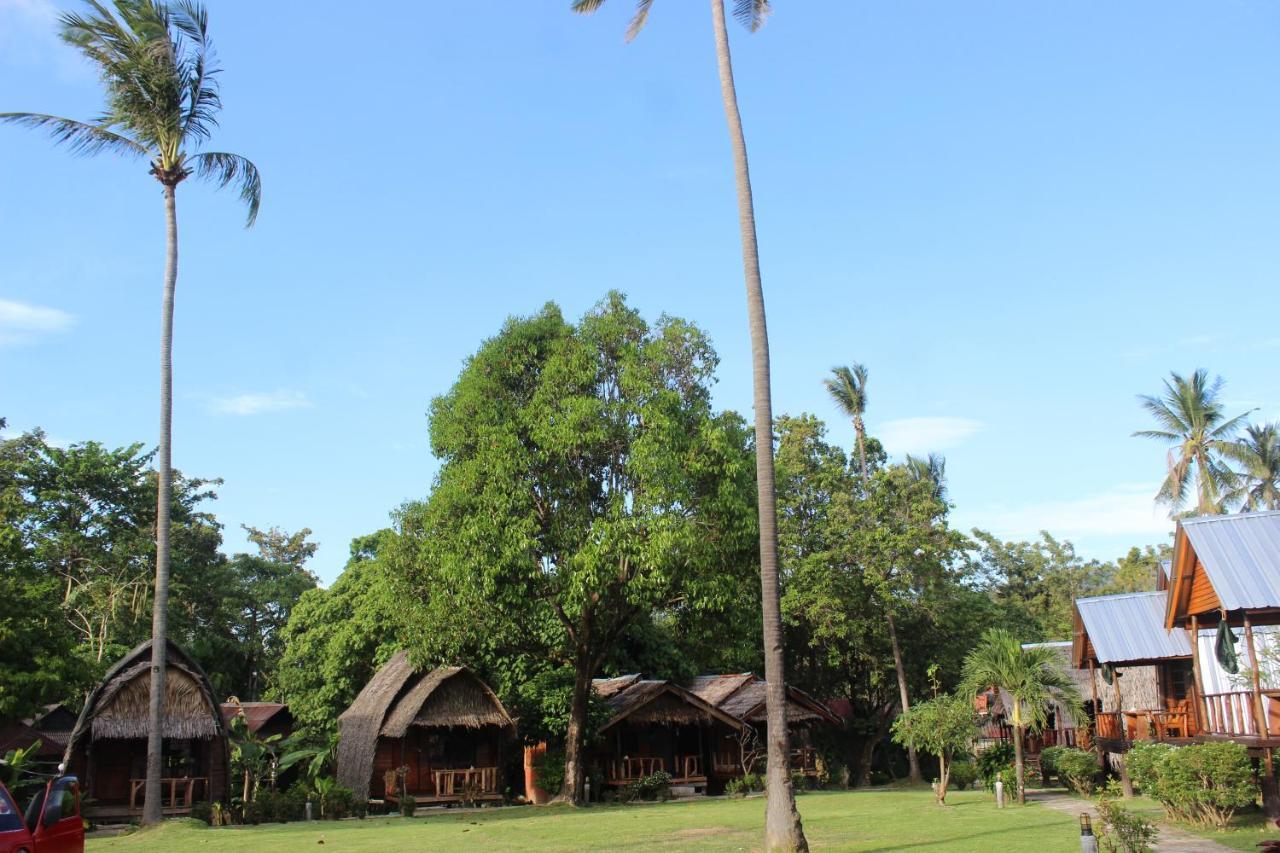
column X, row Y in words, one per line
column 29, row 36
column 260, row 403
column 926, row 435
column 1127, row 509
column 22, row 323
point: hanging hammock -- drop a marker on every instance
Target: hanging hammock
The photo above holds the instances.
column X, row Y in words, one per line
column 1224, row 648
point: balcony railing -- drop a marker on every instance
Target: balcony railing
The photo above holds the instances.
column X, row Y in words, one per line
column 1229, row 714
column 176, row 794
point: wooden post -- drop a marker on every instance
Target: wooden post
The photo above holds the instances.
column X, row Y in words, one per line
column 1097, row 707
column 1260, row 727
column 1197, row 703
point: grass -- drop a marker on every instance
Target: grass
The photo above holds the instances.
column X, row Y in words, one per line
column 837, row 820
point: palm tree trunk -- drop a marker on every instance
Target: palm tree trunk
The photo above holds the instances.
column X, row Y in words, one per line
column 913, row 760
column 782, row 830
column 1019, row 770
column 152, row 812
column 860, row 430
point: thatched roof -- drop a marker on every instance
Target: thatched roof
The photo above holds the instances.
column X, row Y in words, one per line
column 653, row 702
column 742, row 695
column 118, row 706
column 398, row 698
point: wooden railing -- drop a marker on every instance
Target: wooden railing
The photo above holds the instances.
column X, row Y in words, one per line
column 690, row 767
column 1229, row 714
column 727, row 761
column 181, row 792
column 804, row 759
column 625, row 769
column 473, row 780
column 1109, row 725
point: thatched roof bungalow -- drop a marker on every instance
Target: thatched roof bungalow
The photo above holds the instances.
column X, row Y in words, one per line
column 438, row 736
column 107, row 748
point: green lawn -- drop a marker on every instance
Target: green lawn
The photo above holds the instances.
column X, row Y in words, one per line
column 843, row 820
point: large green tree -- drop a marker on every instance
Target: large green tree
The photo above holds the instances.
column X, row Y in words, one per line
column 159, row 74
column 783, row 830
column 585, row 483
column 1189, row 416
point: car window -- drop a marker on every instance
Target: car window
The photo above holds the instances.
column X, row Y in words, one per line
column 10, row 819
column 33, row 809
column 62, row 803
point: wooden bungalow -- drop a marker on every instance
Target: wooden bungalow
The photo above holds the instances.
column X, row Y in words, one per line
column 1140, row 684
column 437, row 736
column 659, row 725
column 107, row 749
column 742, row 696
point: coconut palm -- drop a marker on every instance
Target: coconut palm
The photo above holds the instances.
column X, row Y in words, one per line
column 1258, row 455
column 782, row 822
column 930, row 469
column 1189, row 415
column 1031, row 678
column 158, row 69
column 848, row 388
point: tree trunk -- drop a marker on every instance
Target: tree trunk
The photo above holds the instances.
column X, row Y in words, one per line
column 574, row 760
column 944, row 776
column 913, row 775
column 860, row 431
column 1019, row 770
column 151, row 811
column 782, row 829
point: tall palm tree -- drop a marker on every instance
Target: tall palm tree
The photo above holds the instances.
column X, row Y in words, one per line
column 848, row 388
column 158, row 69
column 1031, row 678
column 1189, row 415
column 783, row 830
column 1258, row 455
column 930, row 469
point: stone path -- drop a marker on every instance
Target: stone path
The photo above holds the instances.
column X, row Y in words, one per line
column 1171, row 839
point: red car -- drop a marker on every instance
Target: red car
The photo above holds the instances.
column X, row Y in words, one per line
column 52, row 823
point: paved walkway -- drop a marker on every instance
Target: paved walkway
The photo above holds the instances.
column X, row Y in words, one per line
column 1171, row 839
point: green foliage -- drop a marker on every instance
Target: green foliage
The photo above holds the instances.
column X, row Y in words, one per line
column 335, row 801
column 1143, row 761
column 17, row 771
column 1049, row 761
column 744, row 784
column 336, row 638
column 1078, row 769
column 542, row 704
column 963, row 774
column 991, row 761
column 1204, row 783
column 1122, row 830
column 408, row 805
column 202, row 810
column 655, row 786
column 548, row 769
column 271, row 806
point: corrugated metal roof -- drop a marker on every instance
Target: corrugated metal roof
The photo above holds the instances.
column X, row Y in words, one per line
column 1130, row 627
column 1241, row 555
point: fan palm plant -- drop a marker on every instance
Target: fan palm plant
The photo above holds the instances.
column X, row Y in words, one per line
column 783, row 830
column 1190, row 417
column 1258, row 455
column 159, row 73
column 1031, row 678
column 848, row 388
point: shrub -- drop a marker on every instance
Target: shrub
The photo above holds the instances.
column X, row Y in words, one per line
column 655, row 786
column 280, row 806
column 1122, row 830
column 1205, row 783
column 1078, row 769
column 744, row 785
column 339, row 802
column 202, row 811
column 408, row 806
column 963, row 774
column 1049, row 762
column 1143, row 760
column 801, row 782
column 991, row 761
column 548, row 769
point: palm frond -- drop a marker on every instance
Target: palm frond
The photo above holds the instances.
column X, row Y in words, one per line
column 751, row 13
column 638, row 21
column 198, row 71
column 224, row 169
column 586, row 7
column 80, row 137
column 848, row 388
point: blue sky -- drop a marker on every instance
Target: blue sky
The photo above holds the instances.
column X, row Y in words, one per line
column 1019, row 216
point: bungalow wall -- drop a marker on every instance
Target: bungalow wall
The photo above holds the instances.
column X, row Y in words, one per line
column 424, row 752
